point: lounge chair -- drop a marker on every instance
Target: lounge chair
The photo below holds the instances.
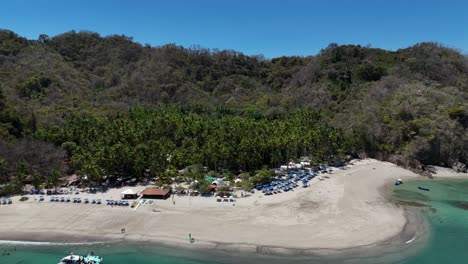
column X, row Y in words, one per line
column 86, row 200
column 62, row 199
column 67, row 200
column 98, row 201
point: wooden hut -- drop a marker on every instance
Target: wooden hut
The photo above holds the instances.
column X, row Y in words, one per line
column 155, row 193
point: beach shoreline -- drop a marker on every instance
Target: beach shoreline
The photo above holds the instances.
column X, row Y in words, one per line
column 416, row 231
column 338, row 197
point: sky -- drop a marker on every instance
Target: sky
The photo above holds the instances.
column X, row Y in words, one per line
column 272, row 28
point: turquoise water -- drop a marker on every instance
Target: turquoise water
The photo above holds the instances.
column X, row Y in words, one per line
column 447, row 212
column 448, row 215
column 112, row 253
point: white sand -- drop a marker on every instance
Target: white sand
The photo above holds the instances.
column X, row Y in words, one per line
column 347, row 209
column 442, row 172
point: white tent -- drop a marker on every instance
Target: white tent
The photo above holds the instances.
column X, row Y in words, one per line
column 220, row 182
column 128, row 193
column 193, row 182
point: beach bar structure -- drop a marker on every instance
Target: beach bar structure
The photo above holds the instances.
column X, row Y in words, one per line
column 155, row 193
column 128, row 194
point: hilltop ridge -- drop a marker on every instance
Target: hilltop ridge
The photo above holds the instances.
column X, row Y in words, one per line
column 408, row 106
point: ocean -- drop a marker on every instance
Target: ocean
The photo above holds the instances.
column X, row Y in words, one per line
column 445, row 208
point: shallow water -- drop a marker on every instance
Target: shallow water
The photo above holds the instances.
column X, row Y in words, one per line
column 448, row 217
column 446, row 211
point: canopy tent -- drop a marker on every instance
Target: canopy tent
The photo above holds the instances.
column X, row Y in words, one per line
column 128, row 194
column 210, row 179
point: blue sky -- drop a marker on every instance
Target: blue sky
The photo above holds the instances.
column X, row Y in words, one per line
column 272, row 28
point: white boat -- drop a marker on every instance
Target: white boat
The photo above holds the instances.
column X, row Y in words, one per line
column 76, row 259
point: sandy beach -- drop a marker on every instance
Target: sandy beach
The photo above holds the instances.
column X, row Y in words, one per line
column 349, row 208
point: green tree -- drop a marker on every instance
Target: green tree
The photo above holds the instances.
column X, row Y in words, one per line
column 53, row 179
column 23, row 170
column 43, row 38
column 3, row 169
column 36, row 180
column 263, row 176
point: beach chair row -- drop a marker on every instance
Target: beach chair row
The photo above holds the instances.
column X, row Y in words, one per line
column 118, row 202
column 6, row 201
column 68, row 199
column 219, row 199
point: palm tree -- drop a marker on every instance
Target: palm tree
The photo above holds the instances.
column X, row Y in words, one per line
column 53, row 179
column 3, row 168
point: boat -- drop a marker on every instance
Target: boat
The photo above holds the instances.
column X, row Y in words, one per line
column 423, row 188
column 77, row 259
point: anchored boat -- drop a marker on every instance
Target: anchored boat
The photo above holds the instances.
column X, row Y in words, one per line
column 77, row 259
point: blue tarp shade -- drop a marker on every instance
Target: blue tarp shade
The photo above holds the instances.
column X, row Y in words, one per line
column 210, row 179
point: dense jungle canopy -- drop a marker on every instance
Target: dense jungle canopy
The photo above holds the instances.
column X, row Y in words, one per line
column 83, row 103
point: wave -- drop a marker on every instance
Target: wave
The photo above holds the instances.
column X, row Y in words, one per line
column 411, row 240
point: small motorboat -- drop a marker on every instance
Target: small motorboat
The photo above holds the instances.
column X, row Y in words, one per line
column 423, row 188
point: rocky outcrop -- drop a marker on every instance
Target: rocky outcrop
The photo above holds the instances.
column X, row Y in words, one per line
column 459, row 167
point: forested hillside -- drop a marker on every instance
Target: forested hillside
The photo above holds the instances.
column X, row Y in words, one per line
column 82, row 103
